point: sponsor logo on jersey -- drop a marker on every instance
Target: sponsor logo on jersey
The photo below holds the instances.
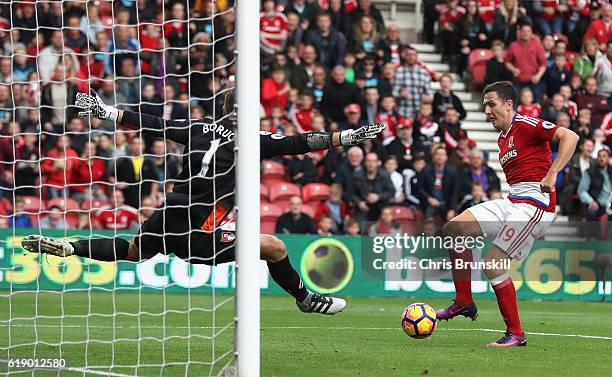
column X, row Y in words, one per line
column 511, row 142
column 507, row 156
column 227, row 236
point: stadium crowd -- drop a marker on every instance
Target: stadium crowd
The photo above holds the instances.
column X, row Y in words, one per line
column 326, row 65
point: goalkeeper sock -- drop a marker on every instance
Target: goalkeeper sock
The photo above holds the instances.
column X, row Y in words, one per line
column 102, row 249
column 288, row 279
column 506, row 300
column 462, row 277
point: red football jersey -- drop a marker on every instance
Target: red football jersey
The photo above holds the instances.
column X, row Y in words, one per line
column 534, row 110
column 525, row 156
column 121, row 218
column 273, row 25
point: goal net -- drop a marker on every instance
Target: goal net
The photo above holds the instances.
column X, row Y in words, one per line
column 73, row 178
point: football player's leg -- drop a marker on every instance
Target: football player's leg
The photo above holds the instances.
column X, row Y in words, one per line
column 462, row 225
column 274, row 252
column 102, row 249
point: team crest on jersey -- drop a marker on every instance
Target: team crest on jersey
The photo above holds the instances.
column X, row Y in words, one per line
column 227, row 236
column 511, row 142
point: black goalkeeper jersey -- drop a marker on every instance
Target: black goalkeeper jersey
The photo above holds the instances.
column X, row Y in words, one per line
column 208, row 172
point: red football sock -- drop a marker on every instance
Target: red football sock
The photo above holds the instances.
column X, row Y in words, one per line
column 508, row 306
column 462, row 278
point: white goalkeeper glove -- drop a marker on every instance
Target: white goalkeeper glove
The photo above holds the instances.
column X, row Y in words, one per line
column 94, row 107
column 353, row 137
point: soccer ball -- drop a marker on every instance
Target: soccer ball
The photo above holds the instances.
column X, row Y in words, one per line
column 419, row 320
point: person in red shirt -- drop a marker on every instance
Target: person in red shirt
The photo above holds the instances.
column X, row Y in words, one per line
column 57, row 167
column 388, row 115
column 601, row 30
column 550, row 16
column 273, row 29
column 527, row 107
column 275, row 90
column 449, row 30
column 592, row 101
column 526, row 60
column 118, row 216
column 303, row 117
column 87, row 173
column 487, row 10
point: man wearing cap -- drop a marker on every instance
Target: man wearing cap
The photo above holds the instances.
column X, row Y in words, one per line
column 353, row 117
column 403, row 146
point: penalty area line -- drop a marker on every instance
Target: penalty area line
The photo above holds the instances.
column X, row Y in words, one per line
column 75, row 369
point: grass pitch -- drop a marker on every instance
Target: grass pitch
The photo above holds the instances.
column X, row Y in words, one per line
column 365, row 340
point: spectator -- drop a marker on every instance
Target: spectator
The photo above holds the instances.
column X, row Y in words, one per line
column 595, row 188
column 474, row 34
column 166, row 165
column 526, row 60
column 366, row 8
column 19, row 219
column 438, row 187
column 295, row 30
column 125, row 46
column 58, row 167
column 549, row 16
column 580, row 162
column 307, row 10
column 325, row 226
column 147, row 208
column 129, row 83
column 411, row 83
column 337, row 95
column 584, row 65
column 403, row 147
column 600, row 29
column 397, row 179
column 450, row 130
column 555, row 107
column 118, row 216
column 22, row 65
column 496, row 68
column 88, row 173
column 90, row 23
column 319, row 79
column 548, row 43
column 479, row 171
column 275, row 90
column 476, row 197
column 571, row 106
column 445, row 98
column 273, row 29
column 172, row 109
column 302, row 75
column 54, row 219
column 74, row 38
column 389, row 116
column 365, row 38
column 78, row 134
column 425, row 129
column 388, row 48
column 49, row 57
column 557, row 75
column 371, row 104
column 151, row 102
column 56, row 95
column 459, row 157
column 527, row 107
column 27, row 168
column 583, row 127
column 365, row 76
column 301, row 169
column 450, row 30
column 599, row 139
column 335, row 208
column 352, row 227
column 373, row 189
column 386, row 79
column 411, row 180
column 386, row 224
column 506, row 19
column 329, row 44
column 134, row 174
column 592, row 101
column 295, row 221
column 303, row 118
column 603, row 72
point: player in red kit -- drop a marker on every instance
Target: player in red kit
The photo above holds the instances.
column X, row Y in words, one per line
column 513, row 223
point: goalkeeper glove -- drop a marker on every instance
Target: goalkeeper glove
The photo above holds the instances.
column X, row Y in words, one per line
column 353, row 137
column 94, row 107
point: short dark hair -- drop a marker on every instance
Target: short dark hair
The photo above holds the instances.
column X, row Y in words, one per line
column 504, row 89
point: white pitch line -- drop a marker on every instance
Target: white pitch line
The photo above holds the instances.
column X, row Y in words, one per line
column 350, row 328
column 79, row 370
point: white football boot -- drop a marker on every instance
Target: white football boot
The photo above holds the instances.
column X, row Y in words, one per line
column 39, row 244
column 317, row 303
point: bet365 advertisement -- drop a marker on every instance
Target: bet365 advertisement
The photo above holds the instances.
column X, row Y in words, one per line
column 343, row 265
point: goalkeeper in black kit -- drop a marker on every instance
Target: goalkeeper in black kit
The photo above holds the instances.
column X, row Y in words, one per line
column 190, row 224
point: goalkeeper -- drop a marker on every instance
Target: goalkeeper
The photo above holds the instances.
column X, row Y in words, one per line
column 190, row 224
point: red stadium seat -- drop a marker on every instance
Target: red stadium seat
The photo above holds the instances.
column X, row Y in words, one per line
column 315, row 192
column 6, row 207
column 273, row 172
column 264, row 193
column 283, row 192
column 269, row 212
column 402, row 213
column 477, row 64
column 560, row 37
column 93, row 205
column 32, row 204
column 310, row 210
column 268, row 227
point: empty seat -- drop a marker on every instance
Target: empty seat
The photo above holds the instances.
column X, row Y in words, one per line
column 269, row 211
column 68, row 204
column 477, row 64
column 273, row 171
column 315, row 192
column 401, row 213
column 32, row 204
column 283, row 191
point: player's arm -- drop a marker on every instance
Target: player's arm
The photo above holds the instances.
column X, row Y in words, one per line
column 93, row 106
column 567, row 140
column 277, row 145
